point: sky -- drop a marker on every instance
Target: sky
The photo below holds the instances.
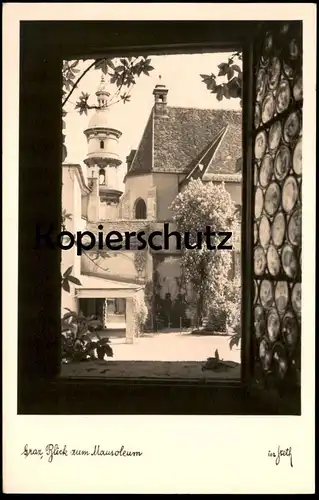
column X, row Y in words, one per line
column 181, row 75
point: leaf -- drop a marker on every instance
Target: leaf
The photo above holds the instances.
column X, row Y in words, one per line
column 94, row 323
column 85, row 338
column 75, row 280
column 212, row 85
column 102, row 65
column 110, row 63
column 66, row 286
column 68, row 315
column 100, row 351
column 119, row 69
column 108, row 350
column 230, row 73
column 235, row 67
column 226, row 91
column 205, row 77
column 68, row 272
column 68, row 328
column 104, row 341
column 113, row 78
column 234, row 340
column 80, row 317
column 125, row 98
column 223, row 68
column 92, row 345
column 219, row 93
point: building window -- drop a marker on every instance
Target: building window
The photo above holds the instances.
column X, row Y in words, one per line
column 140, row 209
column 101, row 144
column 102, row 176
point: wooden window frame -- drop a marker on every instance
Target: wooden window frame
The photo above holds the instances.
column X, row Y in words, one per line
column 43, row 46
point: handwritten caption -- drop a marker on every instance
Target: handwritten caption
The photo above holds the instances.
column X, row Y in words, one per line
column 51, row 451
column 281, row 453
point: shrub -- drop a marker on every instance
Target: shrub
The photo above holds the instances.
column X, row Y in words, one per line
column 76, row 342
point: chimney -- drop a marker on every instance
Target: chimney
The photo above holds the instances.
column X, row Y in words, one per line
column 130, row 158
column 160, row 96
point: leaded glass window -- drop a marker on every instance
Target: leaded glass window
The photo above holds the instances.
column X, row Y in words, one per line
column 277, row 164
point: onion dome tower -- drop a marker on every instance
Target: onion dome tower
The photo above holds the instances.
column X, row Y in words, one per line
column 102, row 158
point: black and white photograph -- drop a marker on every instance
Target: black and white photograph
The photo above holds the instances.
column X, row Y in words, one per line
column 165, row 246
column 153, row 311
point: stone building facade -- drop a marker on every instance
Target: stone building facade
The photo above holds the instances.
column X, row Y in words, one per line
column 178, row 144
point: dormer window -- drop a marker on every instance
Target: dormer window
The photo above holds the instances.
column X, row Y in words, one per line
column 101, row 144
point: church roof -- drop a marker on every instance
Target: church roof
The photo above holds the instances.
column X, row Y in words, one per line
column 178, row 141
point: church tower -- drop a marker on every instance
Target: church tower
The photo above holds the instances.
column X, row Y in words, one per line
column 102, row 160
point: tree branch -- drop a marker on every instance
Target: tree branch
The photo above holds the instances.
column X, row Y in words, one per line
column 79, row 79
column 94, row 262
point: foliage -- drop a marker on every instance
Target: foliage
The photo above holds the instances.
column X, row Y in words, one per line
column 207, row 270
column 234, row 312
column 140, row 312
column 65, row 216
column 230, row 88
column 77, row 344
column 67, row 276
column 122, row 73
column 216, row 364
column 148, row 297
column 75, row 328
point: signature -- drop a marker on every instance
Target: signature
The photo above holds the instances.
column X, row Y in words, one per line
column 286, row 452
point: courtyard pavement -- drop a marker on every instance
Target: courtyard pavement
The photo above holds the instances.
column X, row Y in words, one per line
column 172, row 346
column 165, row 355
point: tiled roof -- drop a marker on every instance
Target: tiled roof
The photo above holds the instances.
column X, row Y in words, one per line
column 143, row 159
column 173, row 143
column 203, row 161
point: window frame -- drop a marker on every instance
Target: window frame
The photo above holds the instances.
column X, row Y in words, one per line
column 40, row 390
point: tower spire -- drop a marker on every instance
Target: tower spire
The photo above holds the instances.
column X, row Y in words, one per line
column 102, row 94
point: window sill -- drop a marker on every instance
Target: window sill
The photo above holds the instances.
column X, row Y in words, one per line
column 166, row 371
column 136, row 396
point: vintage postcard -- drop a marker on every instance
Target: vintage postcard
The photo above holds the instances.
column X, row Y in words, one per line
column 159, row 248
